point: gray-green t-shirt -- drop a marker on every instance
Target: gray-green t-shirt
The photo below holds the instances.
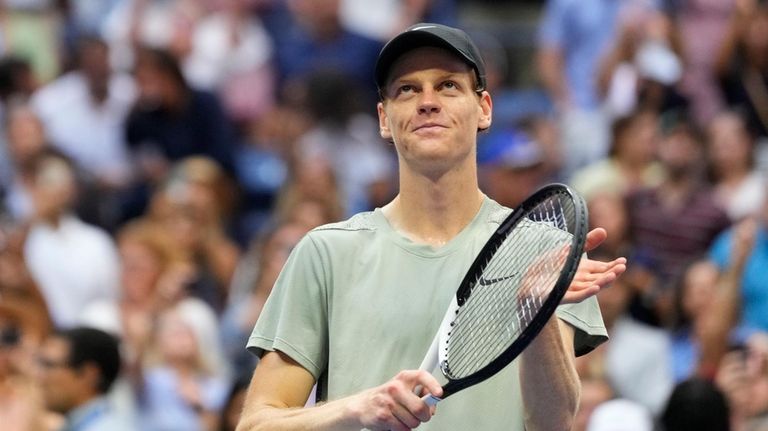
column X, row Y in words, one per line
column 357, row 302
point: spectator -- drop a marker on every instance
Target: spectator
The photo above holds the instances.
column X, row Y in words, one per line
column 743, row 378
column 78, row 367
column 256, row 275
column 30, row 31
column 594, row 392
column 620, row 415
column 742, row 250
column 344, row 138
column 702, row 25
column 742, row 63
column 383, row 19
column 510, row 156
column 675, row 220
column 574, row 37
column 694, row 306
column 25, row 142
column 61, row 249
column 738, row 186
column 192, row 206
column 230, row 414
column 183, row 385
column 22, row 407
column 696, row 404
column 312, row 38
column 314, row 181
column 92, row 97
column 231, row 53
column 17, row 288
column 643, row 69
column 171, row 121
column 608, row 209
column 630, row 164
column 636, row 362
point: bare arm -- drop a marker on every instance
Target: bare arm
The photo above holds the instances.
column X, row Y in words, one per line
column 549, row 382
column 724, row 312
column 549, row 61
column 280, row 388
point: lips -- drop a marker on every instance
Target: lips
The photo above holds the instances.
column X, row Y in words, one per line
column 429, row 126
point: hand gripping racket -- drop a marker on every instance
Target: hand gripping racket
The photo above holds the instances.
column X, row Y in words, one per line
column 511, row 290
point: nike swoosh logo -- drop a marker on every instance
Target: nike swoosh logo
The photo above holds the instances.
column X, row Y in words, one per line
column 486, row 282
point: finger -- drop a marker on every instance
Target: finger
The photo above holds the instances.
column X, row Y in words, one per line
column 572, row 297
column 406, row 417
column 422, row 378
column 595, row 237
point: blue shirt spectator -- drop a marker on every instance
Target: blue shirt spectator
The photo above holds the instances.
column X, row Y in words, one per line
column 754, row 284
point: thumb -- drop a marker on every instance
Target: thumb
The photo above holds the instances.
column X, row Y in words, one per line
column 595, row 237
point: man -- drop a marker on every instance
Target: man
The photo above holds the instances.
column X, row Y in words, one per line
column 359, row 301
column 60, row 249
column 78, row 368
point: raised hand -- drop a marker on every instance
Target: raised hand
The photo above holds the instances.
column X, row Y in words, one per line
column 593, row 275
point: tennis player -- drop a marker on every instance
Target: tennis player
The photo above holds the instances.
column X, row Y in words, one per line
column 358, row 302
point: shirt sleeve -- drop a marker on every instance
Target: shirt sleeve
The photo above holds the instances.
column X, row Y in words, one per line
column 552, row 28
column 294, row 320
column 588, row 323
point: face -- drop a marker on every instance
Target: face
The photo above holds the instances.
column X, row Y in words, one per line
column 431, row 110
column 177, row 339
column 699, row 288
column 60, row 382
column 729, row 143
column 26, row 136
column 140, row 269
column 680, row 152
column 639, row 142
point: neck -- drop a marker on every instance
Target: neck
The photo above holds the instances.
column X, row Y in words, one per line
column 433, row 210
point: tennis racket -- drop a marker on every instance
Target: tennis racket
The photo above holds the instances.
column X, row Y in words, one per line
column 511, row 290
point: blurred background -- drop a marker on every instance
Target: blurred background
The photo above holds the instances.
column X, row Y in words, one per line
column 160, row 158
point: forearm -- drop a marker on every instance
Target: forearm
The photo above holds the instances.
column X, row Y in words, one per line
column 330, row 416
column 550, row 66
column 549, row 382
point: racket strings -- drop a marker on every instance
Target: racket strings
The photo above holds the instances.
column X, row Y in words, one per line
column 505, row 300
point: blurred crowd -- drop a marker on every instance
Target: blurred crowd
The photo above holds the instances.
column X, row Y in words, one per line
column 160, row 158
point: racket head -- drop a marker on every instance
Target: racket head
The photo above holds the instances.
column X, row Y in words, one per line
column 539, row 247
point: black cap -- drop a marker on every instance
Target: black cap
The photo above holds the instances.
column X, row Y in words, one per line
column 429, row 34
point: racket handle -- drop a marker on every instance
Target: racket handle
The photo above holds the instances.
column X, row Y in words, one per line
column 431, row 400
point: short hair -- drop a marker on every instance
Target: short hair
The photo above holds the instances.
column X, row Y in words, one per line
column 90, row 345
column 163, row 61
column 696, row 404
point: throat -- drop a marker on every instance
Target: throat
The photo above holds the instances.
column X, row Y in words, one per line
column 435, row 225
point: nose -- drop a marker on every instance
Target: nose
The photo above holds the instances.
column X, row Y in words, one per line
column 428, row 103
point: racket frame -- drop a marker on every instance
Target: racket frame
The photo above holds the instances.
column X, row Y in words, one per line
column 548, row 307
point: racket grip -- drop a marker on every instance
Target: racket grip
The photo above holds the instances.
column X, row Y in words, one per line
column 431, row 400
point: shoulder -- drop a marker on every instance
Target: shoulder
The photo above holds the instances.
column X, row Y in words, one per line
column 361, row 222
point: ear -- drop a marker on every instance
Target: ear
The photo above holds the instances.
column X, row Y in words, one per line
column 486, row 108
column 91, row 374
column 383, row 122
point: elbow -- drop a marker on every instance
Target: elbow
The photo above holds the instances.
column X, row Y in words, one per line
column 562, row 418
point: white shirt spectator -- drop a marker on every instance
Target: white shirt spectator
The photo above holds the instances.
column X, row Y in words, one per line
column 638, row 363
column 74, row 265
column 214, row 57
column 92, row 134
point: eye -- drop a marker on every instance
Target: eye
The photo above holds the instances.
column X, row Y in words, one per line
column 405, row 88
column 449, row 85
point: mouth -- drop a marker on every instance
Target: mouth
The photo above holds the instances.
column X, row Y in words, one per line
column 429, row 127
